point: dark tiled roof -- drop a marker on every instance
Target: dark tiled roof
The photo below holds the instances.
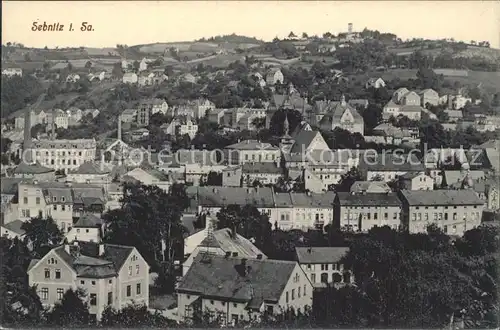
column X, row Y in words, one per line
column 223, row 277
column 441, row 197
column 36, row 168
column 368, row 199
column 9, row 186
column 266, row 167
column 320, row 255
column 15, row 226
column 88, row 220
column 303, row 140
column 251, row 145
column 224, row 240
column 90, row 168
column 390, row 162
column 89, row 264
column 220, row 196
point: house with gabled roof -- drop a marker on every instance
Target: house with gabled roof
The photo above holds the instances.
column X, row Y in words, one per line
column 323, row 265
column 219, row 242
column 343, row 116
column 234, row 289
column 274, row 76
column 88, row 228
column 375, row 83
column 34, row 171
column 111, row 275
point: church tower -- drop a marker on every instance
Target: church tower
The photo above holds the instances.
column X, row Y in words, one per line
column 287, row 141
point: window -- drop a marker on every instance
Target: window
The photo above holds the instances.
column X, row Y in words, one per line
column 93, row 299
column 110, row 298
column 78, row 230
column 298, row 292
column 138, row 288
column 55, row 207
column 313, row 278
column 110, row 281
column 293, row 294
column 93, row 282
column 82, row 282
column 47, row 273
column 60, row 293
column 286, row 298
column 58, row 273
column 305, row 290
column 324, row 266
column 63, row 207
column 129, row 290
column 130, row 270
column 45, row 293
column 446, row 216
column 211, row 302
column 375, row 216
column 386, row 215
column 38, row 201
column 137, row 269
column 25, row 199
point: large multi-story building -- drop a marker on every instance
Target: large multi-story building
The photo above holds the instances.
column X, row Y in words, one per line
column 63, row 155
column 63, row 202
column 110, row 275
column 251, row 151
column 454, row 211
column 237, row 289
column 361, row 212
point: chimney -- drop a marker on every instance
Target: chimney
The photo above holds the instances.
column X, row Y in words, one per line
column 53, row 135
column 119, row 133
column 27, row 136
column 259, row 256
column 101, row 249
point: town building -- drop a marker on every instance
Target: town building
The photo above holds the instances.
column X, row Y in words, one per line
column 454, row 211
column 130, row 78
column 429, row 96
column 63, row 155
column 88, row 228
column 375, row 83
column 323, row 265
column 62, row 201
column 239, row 289
column 417, row 181
column 370, row 187
column 111, row 275
column 10, row 72
column 343, row 116
column 361, row 212
column 249, row 174
column 34, row 171
column 274, row 76
column 90, row 172
column 220, row 242
column 251, row 151
column 387, row 167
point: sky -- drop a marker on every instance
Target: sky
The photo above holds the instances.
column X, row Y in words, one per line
column 142, row 22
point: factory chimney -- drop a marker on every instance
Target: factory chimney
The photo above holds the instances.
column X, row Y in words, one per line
column 349, row 28
column 53, row 134
column 119, row 134
column 27, row 136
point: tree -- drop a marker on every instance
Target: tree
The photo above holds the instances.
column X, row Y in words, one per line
column 117, row 70
column 20, row 304
column 72, row 310
column 43, row 234
column 150, row 220
column 304, row 35
column 213, row 179
column 347, row 180
column 278, row 119
column 88, row 65
column 133, row 315
column 246, row 221
column 136, row 65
